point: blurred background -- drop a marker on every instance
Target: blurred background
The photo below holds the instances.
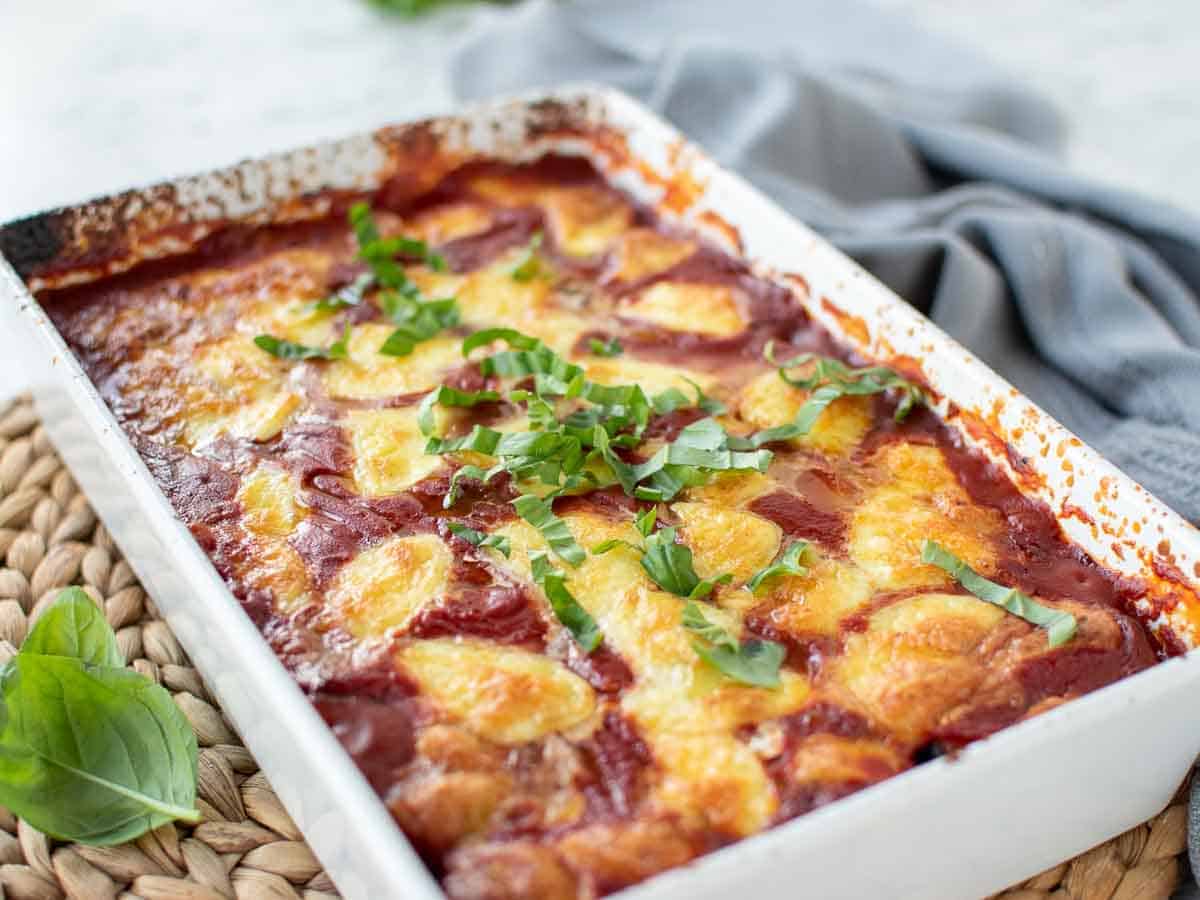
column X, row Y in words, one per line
column 100, row 96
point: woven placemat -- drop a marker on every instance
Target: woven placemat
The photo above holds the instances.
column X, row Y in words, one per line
column 246, row 846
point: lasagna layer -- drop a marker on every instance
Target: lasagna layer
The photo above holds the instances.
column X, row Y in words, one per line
column 522, row 758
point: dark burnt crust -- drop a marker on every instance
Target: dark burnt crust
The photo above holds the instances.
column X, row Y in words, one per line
column 112, row 233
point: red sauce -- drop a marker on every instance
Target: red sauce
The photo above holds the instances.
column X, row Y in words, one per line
column 619, row 756
column 503, row 613
column 801, row 519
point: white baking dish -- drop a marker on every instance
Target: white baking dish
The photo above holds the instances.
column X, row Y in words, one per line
column 1005, row 808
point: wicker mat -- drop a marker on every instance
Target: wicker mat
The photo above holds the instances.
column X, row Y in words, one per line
column 246, row 846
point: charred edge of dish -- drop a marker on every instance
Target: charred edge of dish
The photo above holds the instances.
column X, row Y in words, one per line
column 36, row 241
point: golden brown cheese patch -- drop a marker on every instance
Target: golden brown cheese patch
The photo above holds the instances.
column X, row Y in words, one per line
column 714, row 782
column 383, row 587
column 918, row 498
column 769, row 401
column 643, row 251
column 586, row 219
column 450, row 221
column 503, row 694
column 654, row 378
column 708, row 309
column 389, row 450
column 815, row 603
column 914, row 662
column 268, row 497
column 367, row 373
column 726, row 540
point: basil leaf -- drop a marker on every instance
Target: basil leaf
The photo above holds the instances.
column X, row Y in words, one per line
column 498, row 542
column 530, row 266
column 567, row 609
column 710, row 405
column 350, row 295
column 831, row 379
column 448, row 396
column 1060, row 626
column 697, row 623
column 282, row 349
column 96, row 754
column 74, row 626
column 645, row 521
column 670, row 400
column 791, row 563
column 755, row 663
column 468, row 472
column 510, row 336
column 415, row 321
column 669, row 565
column 610, row 348
column 539, row 513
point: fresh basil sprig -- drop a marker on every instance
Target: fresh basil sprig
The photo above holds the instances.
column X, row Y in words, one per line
column 1060, row 626
column 90, row 751
column 791, row 563
column 669, row 565
column 497, row 542
column 751, row 662
column 830, row 379
column 567, row 609
column 282, row 349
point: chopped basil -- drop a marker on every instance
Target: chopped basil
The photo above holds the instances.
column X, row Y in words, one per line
column 1060, row 626
column 567, row 609
column 829, row 380
column 90, row 751
column 282, row 349
column 448, row 396
column 497, row 542
column 350, row 295
column 752, row 662
column 610, row 348
column 530, row 266
column 644, row 522
column 669, row 565
column 791, row 563
column 539, row 513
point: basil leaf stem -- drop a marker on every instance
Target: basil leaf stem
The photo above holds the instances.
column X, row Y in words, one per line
column 1060, row 626
column 566, row 608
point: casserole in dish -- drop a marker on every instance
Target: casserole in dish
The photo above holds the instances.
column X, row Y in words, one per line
column 594, row 545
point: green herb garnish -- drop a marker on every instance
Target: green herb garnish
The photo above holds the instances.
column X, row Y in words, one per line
column 497, row 542
column 567, row 609
column 282, row 349
column 669, row 565
column 539, row 513
column 791, row 563
column 530, row 265
column 1060, row 626
column 752, row 662
column 448, row 396
column 829, row 380
column 351, row 295
column 90, row 751
column 610, row 348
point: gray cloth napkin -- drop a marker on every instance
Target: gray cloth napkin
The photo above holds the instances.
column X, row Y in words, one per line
column 933, row 170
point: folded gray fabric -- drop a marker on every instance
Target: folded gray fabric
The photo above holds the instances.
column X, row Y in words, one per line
column 931, row 169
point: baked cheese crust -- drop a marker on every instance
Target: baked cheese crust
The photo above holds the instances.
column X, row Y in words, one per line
column 520, row 764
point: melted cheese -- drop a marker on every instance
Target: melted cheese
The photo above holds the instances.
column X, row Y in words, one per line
column 815, row 603
column 240, row 392
column 451, row 221
column 269, row 499
column 654, row 378
column 714, row 781
column 586, row 219
column 768, row 401
column 644, row 251
column 724, row 540
column 382, row 588
column 680, row 306
column 919, row 498
column 368, row 373
column 389, row 450
column 503, row 694
column 913, row 663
